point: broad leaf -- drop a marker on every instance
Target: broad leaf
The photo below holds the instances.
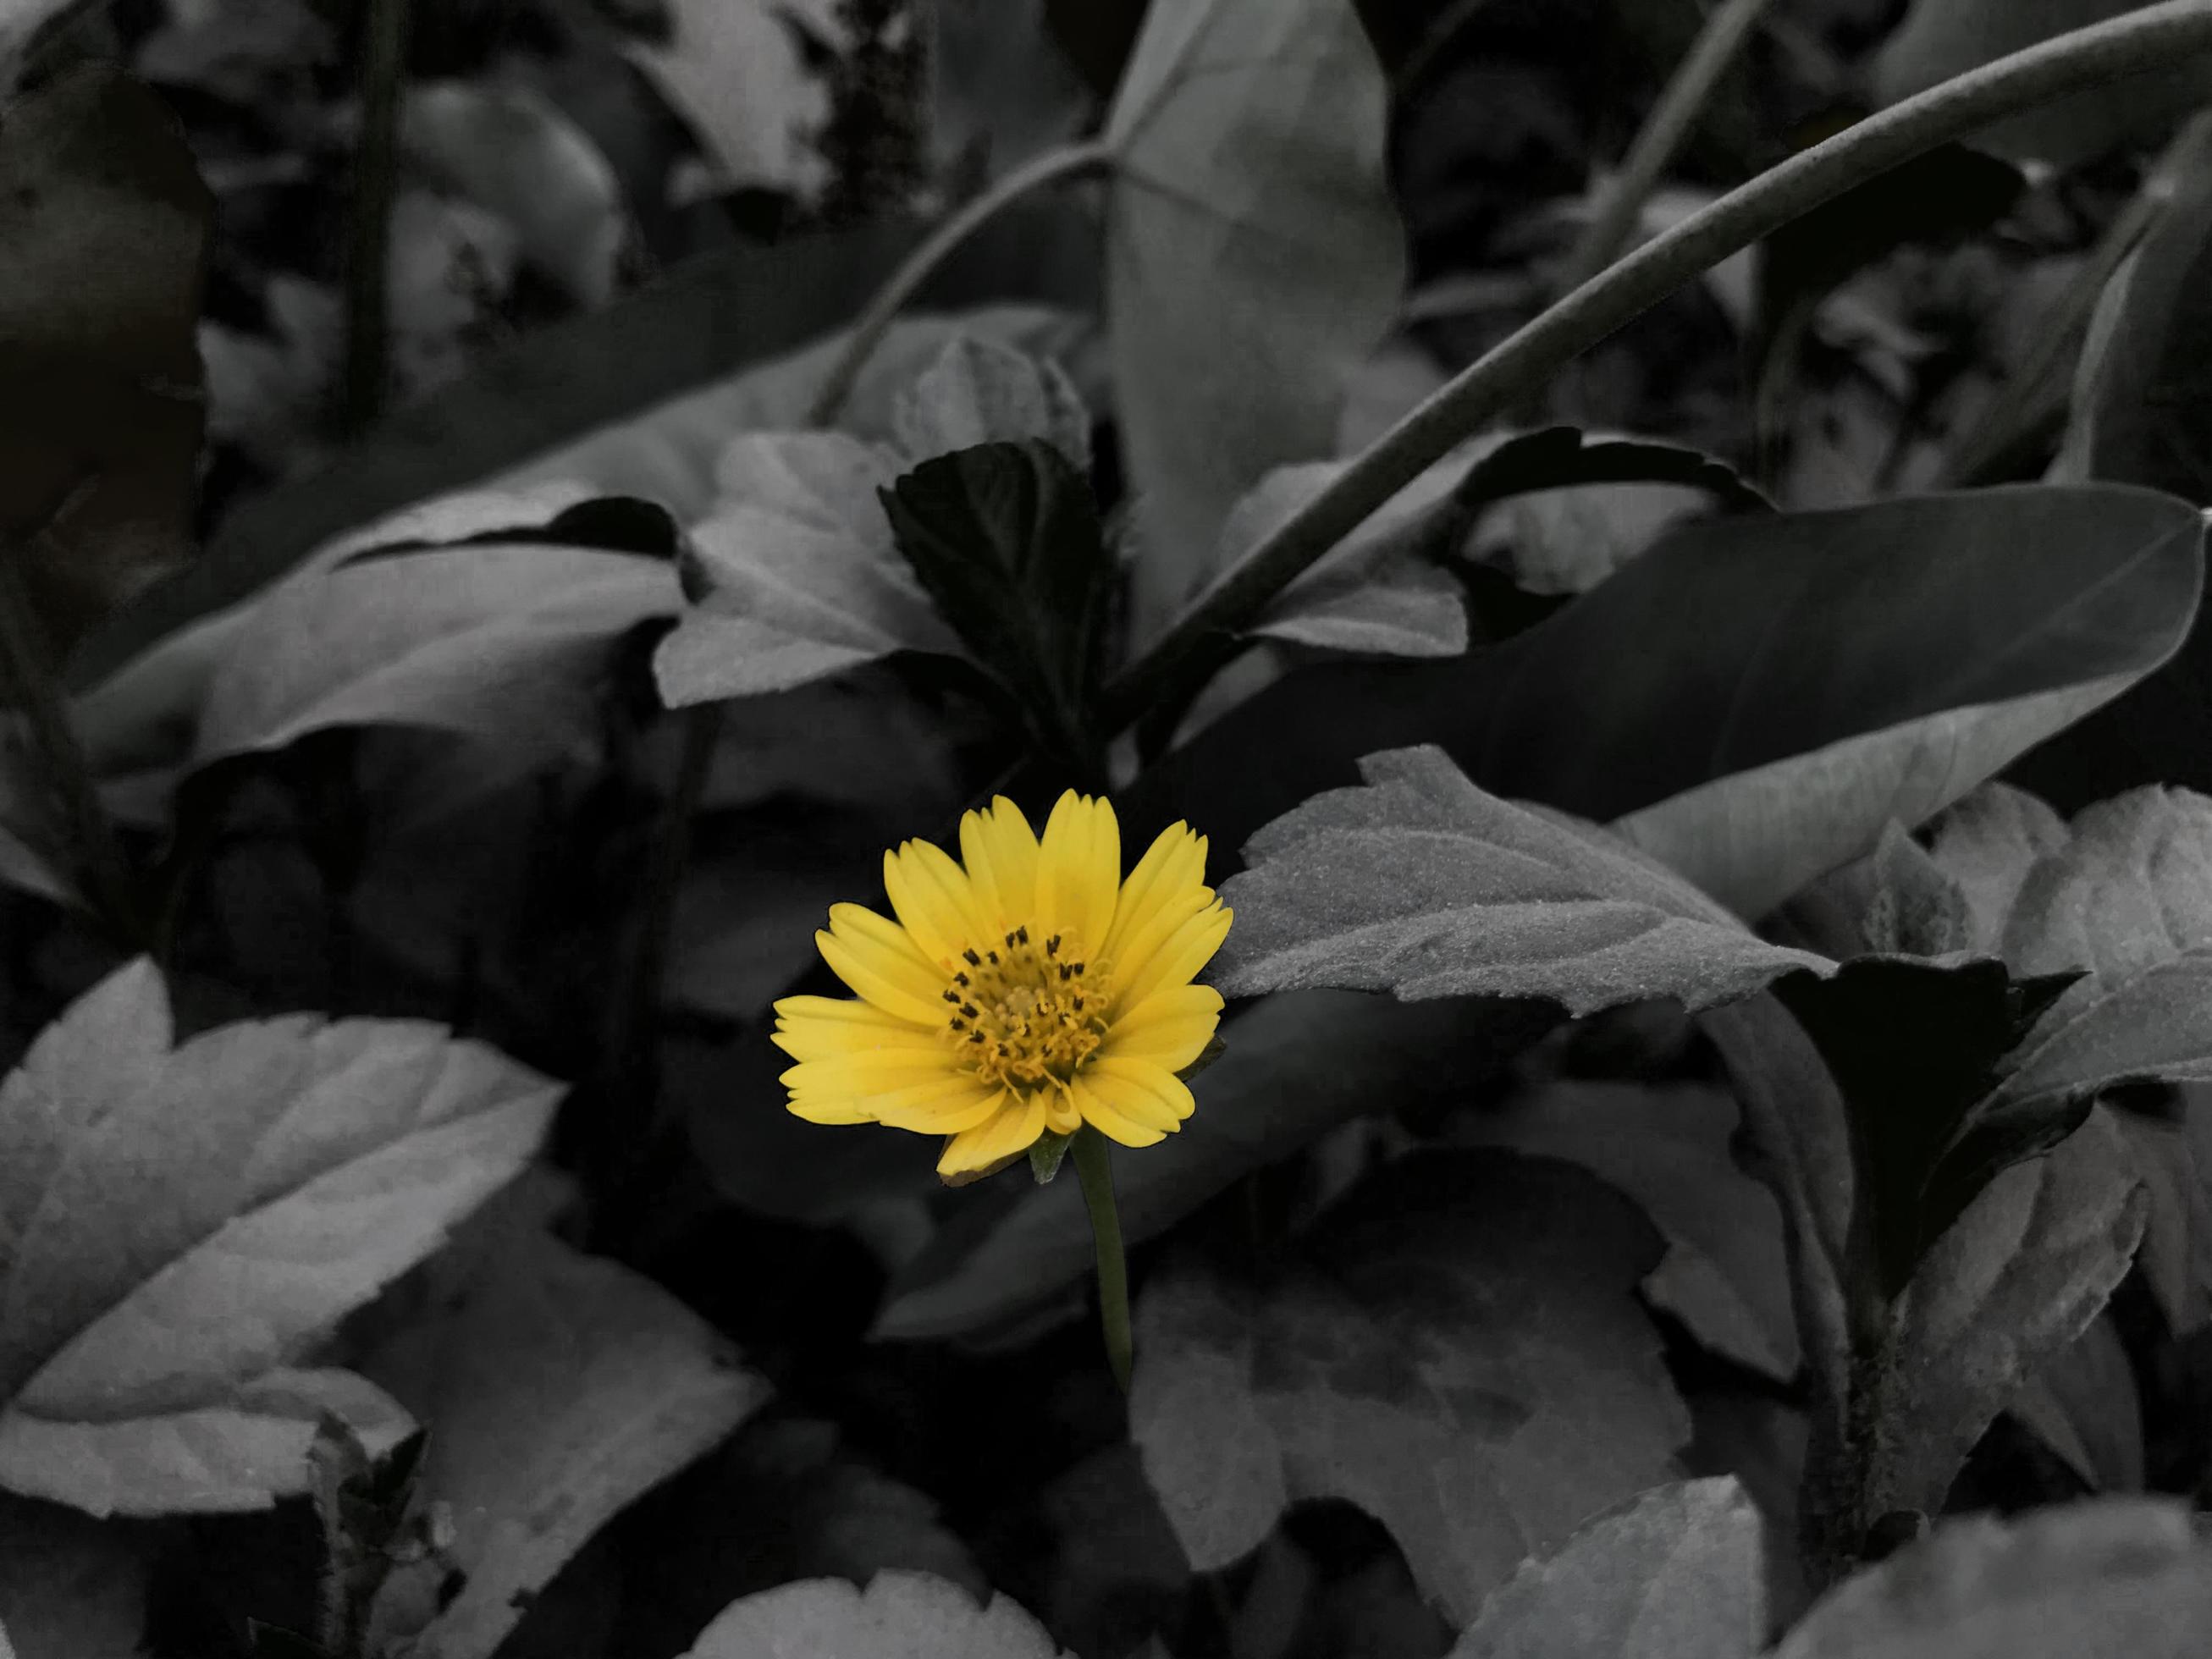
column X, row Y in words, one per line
column 1253, row 257
column 1674, row 1573
column 69, row 1588
column 1457, row 1349
column 103, row 250
column 1725, row 1274
column 1007, row 539
column 179, row 1226
column 981, row 392
column 2122, row 1578
column 560, row 1387
column 901, row 1615
column 1296, row 1066
column 736, row 71
column 1421, row 884
column 2086, row 1405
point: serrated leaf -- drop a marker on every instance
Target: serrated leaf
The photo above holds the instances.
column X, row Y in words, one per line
column 1007, row 541
column 560, row 1388
column 1253, row 256
column 2121, row 1578
column 178, row 1226
column 1420, row 883
column 1987, row 844
column 1674, row 1573
column 1457, row 1349
column 1295, row 1066
column 900, row 1615
column 981, row 392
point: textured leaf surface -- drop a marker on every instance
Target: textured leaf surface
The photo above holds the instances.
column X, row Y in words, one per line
column 1673, row 1574
column 560, row 1388
column 900, row 1615
column 1253, row 257
column 981, row 392
column 1421, row 884
column 2122, row 1578
column 1457, row 1350
column 177, row 1225
column 1296, row 1066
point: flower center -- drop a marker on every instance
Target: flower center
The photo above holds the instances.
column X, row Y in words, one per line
column 1024, row 1013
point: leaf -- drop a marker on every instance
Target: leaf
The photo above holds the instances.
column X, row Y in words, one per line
column 981, row 392
column 1457, row 1349
column 1296, row 1066
column 1796, row 681
column 1987, row 844
column 513, row 152
column 1006, row 540
column 1674, row 1573
column 2121, row 1578
column 1725, row 1273
column 490, row 617
column 1253, row 258
column 560, row 1388
column 1941, row 39
column 901, row 1615
column 796, row 577
column 735, row 70
column 178, row 1226
column 104, row 234
column 1420, row 883
column 2086, row 1406
column 70, row 1587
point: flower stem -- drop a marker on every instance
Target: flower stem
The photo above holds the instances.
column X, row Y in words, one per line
column 2132, row 43
column 1094, row 1167
column 868, row 330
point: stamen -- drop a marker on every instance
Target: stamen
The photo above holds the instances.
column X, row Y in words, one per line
column 974, row 961
column 1020, row 1013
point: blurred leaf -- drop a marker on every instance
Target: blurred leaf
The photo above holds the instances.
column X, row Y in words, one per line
column 797, row 576
column 1781, row 686
column 1420, row 883
column 901, row 1615
column 1457, row 1349
column 1674, row 1573
column 179, row 1226
column 734, row 69
column 560, row 1388
column 1725, row 1274
column 489, row 616
column 2122, row 1578
column 515, row 153
column 2173, row 1157
column 2086, row 1406
column 1006, row 540
column 69, row 1588
column 1005, row 90
column 981, row 392
column 1941, row 39
column 104, row 231
column 1297, row 1065
column 1253, row 256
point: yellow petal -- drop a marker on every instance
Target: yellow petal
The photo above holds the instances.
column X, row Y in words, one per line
column 1178, row 959
column 1080, row 869
column 1142, row 1093
column 876, row 959
column 934, row 900
column 1169, row 1027
column 829, row 1109
column 1173, row 866
column 1009, row 1131
column 1099, row 1111
column 1061, row 1114
column 1000, row 851
column 944, row 1108
column 871, row 1074
column 820, row 1028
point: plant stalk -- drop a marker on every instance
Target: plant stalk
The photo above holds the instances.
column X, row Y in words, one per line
column 2132, row 43
column 375, row 180
column 869, row 327
column 1673, row 118
column 1094, row 1167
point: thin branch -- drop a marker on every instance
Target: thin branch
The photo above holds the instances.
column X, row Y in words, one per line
column 917, row 268
column 1671, row 122
column 2133, row 44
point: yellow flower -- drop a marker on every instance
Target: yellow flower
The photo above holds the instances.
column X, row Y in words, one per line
column 1032, row 990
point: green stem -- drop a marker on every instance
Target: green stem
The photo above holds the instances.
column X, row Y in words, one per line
column 1671, row 121
column 2134, row 43
column 375, row 180
column 917, row 268
column 1094, row 1167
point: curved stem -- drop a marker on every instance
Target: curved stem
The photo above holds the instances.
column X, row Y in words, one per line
column 2132, row 43
column 1672, row 118
column 1094, row 1168
column 918, row 266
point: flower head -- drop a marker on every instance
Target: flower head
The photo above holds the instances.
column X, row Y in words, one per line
column 1024, row 989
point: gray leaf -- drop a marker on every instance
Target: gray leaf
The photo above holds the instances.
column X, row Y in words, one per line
column 980, row 392
column 900, row 1615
